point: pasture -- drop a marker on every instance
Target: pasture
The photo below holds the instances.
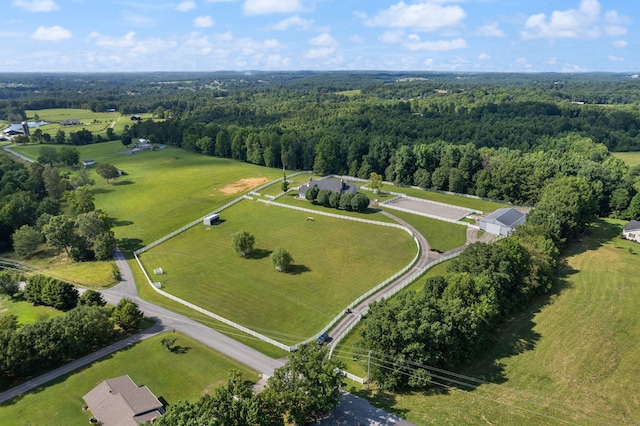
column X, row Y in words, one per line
column 335, row 261
column 187, row 373
column 571, row 358
column 95, row 122
column 164, row 189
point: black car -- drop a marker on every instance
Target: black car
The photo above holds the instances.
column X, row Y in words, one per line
column 324, row 337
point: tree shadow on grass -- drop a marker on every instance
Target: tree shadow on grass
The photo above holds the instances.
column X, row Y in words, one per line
column 129, row 245
column 381, row 399
column 102, row 191
column 177, row 349
column 117, row 222
column 297, row 269
column 258, row 254
column 122, row 182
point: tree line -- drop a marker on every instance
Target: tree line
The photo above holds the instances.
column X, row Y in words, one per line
column 453, row 317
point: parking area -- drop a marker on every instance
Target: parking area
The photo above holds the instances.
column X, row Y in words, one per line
column 427, row 207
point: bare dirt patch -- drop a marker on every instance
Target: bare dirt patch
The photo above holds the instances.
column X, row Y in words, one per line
column 243, row 185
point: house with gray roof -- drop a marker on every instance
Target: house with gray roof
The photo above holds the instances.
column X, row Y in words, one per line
column 339, row 186
column 631, row 231
column 120, row 402
column 502, row 221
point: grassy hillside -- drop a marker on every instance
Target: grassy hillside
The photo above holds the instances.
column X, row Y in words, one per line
column 186, row 373
column 335, row 261
column 573, row 358
column 630, row 158
column 164, row 189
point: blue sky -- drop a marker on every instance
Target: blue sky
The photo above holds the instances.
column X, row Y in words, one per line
column 408, row 35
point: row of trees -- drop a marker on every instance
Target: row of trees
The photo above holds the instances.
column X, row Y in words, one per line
column 325, row 197
column 29, row 349
column 307, row 386
column 453, row 317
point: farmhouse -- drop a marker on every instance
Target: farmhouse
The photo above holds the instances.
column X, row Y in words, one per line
column 119, row 402
column 502, row 221
column 144, row 144
column 339, row 186
column 631, row 231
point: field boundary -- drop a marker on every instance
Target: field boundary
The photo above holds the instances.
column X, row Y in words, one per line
column 157, row 289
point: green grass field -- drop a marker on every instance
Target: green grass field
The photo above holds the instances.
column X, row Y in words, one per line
column 630, row 158
column 572, row 358
column 164, row 189
column 95, row 122
column 185, row 374
column 335, row 261
column 25, row 311
column 441, row 235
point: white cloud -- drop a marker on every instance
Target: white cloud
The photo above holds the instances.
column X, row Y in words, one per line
column 615, row 58
column 491, row 30
column 55, row 33
column 619, row 44
column 575, row 23
column 551, row 61
column 186, row 6
column 265, row 7
column 321, row 52
column 128, row 40
column 36, row 5
column 573, row 68
column 203, row 22
column 439, row 45
column 325, row 40
column 357, row 39
column 426, row 16
column 484, row 56
column 391, row 37
column 294, row 22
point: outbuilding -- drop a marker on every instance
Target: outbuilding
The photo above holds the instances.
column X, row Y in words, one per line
column 631, row 231
column 212, row 219
column 502, row 221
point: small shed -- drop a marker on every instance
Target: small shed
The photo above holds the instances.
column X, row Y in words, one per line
column 502, row 221
column 212, row 219
column 88, row 162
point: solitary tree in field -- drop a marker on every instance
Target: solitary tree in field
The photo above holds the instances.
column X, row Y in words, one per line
column 281, row 259
column 375, row 182
column 107, row 171
column 285, row 183
column 243, row 242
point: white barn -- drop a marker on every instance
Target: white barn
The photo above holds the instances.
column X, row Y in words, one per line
column 502, row 221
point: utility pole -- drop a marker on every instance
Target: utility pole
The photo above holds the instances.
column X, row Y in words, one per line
column 368, row 369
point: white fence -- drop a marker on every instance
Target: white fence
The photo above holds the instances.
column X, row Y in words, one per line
column 376, row 288
column 211, row 314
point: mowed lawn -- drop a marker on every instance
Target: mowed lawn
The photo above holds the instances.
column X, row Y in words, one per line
column 335, row 261
column 164, row 189
column 187, row 373
column 573, row 358
column 26, row 312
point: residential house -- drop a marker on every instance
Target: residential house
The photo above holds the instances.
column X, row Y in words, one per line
column 339, row 186
column 120, row 402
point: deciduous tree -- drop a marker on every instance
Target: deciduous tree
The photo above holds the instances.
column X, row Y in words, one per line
column 243, row 242
column 26, row 240
column 281, row 259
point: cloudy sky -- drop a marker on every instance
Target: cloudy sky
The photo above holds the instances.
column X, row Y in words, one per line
column 423, row 35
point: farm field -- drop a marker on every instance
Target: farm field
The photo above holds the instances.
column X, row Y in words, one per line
column 170, row 183
column 187, row 373
column 335, row 261
column 95, row 122
column 573, row 358
column 630, row 158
